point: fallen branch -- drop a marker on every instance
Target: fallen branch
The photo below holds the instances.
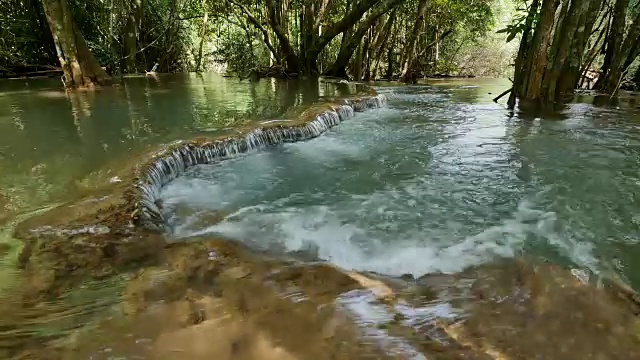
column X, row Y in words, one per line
column 615, row 91
column 495, row 99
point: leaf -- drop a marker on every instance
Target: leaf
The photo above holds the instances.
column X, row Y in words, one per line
column 512, row 36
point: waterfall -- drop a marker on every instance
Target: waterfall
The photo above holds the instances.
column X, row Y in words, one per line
column 170, row 163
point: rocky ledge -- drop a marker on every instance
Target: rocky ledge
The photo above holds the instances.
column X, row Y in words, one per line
column 211, row 298
column 120, row 225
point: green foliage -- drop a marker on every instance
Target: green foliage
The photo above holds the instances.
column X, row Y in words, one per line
column 25, row 38
column 519, row 23
column 170, row 32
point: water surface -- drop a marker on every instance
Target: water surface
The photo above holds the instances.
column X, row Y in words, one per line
column 440, row 179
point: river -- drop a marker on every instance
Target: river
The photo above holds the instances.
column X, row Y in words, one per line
column 438, row 180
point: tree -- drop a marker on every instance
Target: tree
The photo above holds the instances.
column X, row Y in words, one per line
column 621, row 48
column 410, row 47
column 78, row 63
column 311, row 39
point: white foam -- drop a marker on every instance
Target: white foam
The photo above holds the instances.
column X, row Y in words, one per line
column 320, row 229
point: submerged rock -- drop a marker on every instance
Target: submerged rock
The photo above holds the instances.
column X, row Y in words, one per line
column 210, row 298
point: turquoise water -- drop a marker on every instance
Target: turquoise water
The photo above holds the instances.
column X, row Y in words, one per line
column 440, row 179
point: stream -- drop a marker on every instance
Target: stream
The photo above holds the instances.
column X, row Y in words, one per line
column 439, row 180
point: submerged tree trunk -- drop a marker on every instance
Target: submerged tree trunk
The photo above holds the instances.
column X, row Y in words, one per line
column 546, row 72
column 551, row 90
column 78, row 63
column 570, row 76
column 410, row 49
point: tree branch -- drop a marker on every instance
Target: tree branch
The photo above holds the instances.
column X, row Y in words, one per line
column 320, row 15
column 347, row 21
column 191, row 17
column 258, row 26
column 434, row 42
column 280, row 33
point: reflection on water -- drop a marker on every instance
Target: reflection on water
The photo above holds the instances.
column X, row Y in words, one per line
column 440, row 180
column 51, row 141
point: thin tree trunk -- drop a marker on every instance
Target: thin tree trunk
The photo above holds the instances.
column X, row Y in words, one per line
column 357, row 63
column 78, row 63
column 617, row 68
column 338, row 68
column 203, row 35
column 379, row 47
column 569, row 78
column 519, row 82
column 112, row 40
column 410, row 50
column 614, row 39
column 131, row 35
column 593, row 52
column 390, row 63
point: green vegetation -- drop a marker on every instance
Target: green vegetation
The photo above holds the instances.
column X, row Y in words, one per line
column 359, row 39
column 563, row 44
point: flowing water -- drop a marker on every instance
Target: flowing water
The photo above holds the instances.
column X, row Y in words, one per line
column 440, row 179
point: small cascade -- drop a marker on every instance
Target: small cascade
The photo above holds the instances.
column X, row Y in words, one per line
column 169, row 164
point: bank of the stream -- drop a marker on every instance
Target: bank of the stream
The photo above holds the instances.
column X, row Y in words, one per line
column 436, row 226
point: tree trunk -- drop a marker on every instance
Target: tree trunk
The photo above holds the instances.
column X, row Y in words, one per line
column 410, row 49
column 203, row 36
column 383, row 40
column 288, row 55
column 338, row 68
column 614, row 39
column 519, row 72
column 540, row 46
column 357, row 63
column 569, row 78
column 390, row 63
column 593, row 52
column 562, row 49
column 636, row 78
column 131, row 36
column 78, row 63
column 627, row 51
